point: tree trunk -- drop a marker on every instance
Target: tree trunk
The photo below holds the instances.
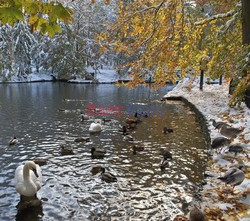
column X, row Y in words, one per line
column 245, row 21
column 201, row 79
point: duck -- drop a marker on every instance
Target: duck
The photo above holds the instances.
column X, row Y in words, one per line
column 123, row 129
column 97, row 169
column 219, row 124
column 167, row 130
column 82, row 139
column 234, row 176
column 13, row 141
column 166, row 154
column 95, row 127
column 230, row 132
column 130, row 121
column 164, row 164
column 145, row 114
column 128, row 138
column 40, row 162
column 105, row 120
column 137, row 149
column 97, row 153
column 138, row 120
column 66, row 150
column 136, row 114
column 107, row 176
column 196, row 214
column 235, row 148
column 220, row 142
column 131, row 126
column 240, row 165
column 28, row 179
column 83, row 117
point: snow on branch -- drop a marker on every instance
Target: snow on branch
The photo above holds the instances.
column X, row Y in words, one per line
column 229, row 23
column 156, row 8
column 218, row 16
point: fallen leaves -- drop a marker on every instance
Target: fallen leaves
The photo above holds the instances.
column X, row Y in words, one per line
column 180, row 218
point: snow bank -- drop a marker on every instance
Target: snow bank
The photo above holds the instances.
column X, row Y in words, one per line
column 33, row 77
column 220, row 202
column 105, row 75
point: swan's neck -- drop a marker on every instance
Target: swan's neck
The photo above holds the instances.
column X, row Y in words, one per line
column 26, row 172
column 27, row 179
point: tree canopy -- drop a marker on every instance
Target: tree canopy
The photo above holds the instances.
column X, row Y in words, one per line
column 41, row 15
column 163, row 37
column 156, row 37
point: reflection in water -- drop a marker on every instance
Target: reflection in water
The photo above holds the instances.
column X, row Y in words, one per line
column 75, row 192
column 29, row 210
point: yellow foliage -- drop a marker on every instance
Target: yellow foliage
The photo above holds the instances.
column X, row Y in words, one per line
column 162, row 36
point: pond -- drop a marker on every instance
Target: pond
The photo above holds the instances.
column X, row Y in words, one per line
column 70, row 191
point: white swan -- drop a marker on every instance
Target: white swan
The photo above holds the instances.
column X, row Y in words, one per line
column 95, row 127
column 28, row 183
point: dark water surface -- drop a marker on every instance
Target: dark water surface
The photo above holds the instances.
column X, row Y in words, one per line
column 70, row 191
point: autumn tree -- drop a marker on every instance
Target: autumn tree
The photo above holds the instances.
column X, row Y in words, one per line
column 41, row 15
column 169, row 35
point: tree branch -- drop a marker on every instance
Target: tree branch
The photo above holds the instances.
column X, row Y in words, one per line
column 218, row 16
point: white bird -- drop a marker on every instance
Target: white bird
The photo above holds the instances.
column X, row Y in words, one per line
column 28, row 179
column 95, row 127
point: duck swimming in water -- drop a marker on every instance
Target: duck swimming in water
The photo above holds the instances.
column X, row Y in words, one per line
column 167, row 130
column 13, row 141
column 166, row 154
column 164, row 164
column 66, row 150
column 97, row 153
column 82, row 139
column 107, row 176
column 137, row 148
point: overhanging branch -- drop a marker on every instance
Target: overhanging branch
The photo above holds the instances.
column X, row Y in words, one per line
column 219, row 16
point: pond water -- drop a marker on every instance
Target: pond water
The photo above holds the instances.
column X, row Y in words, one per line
column 70, row 191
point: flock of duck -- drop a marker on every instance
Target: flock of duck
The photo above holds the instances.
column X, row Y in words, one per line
column 235, row 175
column 28, row 177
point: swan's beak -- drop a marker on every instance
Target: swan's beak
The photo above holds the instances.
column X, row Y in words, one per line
column 35, row 172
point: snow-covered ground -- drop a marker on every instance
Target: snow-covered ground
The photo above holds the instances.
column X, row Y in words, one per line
column 105, row 75
column 33, row 77
column 219, row 201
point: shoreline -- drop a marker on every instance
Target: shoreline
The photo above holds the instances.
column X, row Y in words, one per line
column 216, row 200
column 55, row 81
